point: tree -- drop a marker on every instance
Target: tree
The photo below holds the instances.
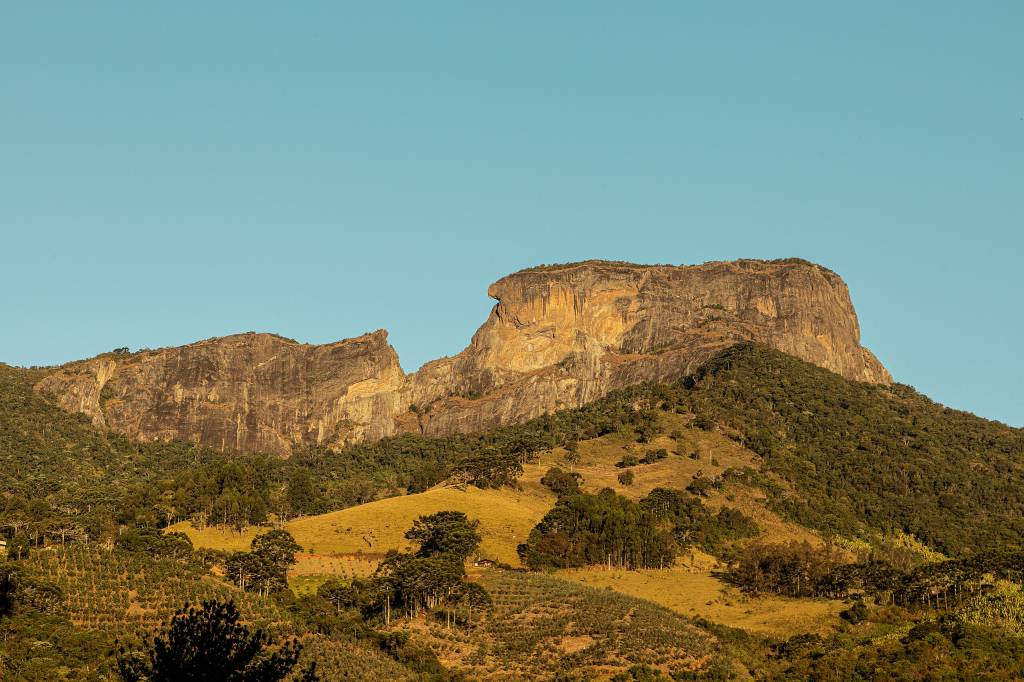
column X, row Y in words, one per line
column 8, row 586
column 265, row 568
column 446, row 532
column 254, row 572
column 490, row 468
column 420, row 582
column 303, row 497
column 562, row 482
column 277, row 546
column 208, row 643
column 18, row 547
column 342, row 595
column 572, row 454
column 475, row 598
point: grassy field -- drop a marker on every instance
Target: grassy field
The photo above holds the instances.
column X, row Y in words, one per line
column 506, row 517
column 701, row 594
column 313, row 570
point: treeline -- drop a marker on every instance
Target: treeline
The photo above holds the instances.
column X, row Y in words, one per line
column 797, row 569
column 946, row 648
column 606, row 528
column 693, row 525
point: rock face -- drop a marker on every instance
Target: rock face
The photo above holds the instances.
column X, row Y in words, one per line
column 244, row 392
column 559, row 336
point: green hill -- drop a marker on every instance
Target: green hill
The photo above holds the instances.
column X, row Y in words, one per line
column 862, row 456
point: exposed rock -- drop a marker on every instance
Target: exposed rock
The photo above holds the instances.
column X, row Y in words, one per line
column 559, row 337
column 244, row 392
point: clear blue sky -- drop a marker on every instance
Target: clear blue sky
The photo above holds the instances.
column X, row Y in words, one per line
column 323, row 169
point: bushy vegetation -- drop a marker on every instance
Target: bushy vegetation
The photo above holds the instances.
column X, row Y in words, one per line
column 605, row 528
column 608, row 529
column 862, row 456
column 562, row 483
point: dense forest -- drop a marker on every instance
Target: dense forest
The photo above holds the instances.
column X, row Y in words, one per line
column 862, row 456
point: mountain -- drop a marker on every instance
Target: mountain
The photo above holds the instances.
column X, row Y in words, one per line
column 558, row 337
column 793, row 524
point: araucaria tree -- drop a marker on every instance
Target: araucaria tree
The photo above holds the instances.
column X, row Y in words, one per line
column 430, row 579
column 208, row 643
column 265, row 568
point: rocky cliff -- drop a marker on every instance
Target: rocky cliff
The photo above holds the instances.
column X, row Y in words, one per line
column 559, row 336
column 243, row 392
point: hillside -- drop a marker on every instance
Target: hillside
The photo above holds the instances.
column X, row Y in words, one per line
column 865, row 457
column 505, row 516
column 852, row 473
column 80, row 602
column 49, row 455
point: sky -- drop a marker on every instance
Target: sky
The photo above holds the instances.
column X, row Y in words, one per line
column 175, row 171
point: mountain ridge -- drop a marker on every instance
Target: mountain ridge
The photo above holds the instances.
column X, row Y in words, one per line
column 558, row 336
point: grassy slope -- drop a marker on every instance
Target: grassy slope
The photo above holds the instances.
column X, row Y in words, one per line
column 505, row 516
column 699, row 593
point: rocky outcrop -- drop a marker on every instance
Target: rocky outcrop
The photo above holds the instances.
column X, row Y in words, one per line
column 559, row 336
column 243, row 392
